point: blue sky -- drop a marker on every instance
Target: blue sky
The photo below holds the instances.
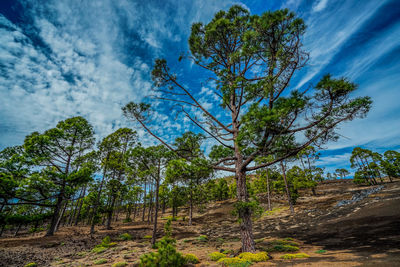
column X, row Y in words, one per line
column 62, row 58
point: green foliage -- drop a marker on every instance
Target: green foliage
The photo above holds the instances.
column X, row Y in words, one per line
column 241, row 207
column 321, row 251
column 294, row 256
column 191, row 258
column 284, row 248
column 99, row 250
column 166, row 254
column 31, row 264
column 120, row 264
column 100, row 261
column 105, row 244
column 254, row 257
column 215, row 256
column 147, row 237
column 125, row 236
column 202, row 238
column 234, row 262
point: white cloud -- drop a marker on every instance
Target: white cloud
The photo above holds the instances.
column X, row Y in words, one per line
column 320, row 5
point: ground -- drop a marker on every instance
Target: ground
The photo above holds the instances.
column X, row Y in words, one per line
column 363, row 233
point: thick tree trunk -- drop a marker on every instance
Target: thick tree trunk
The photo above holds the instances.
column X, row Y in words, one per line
column 287, row 188
column 268, row 193
column 246, row 227
column 54, row 219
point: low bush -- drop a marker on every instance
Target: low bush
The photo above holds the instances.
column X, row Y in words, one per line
column 215, row 256
column 294, row 256
column 191, row 258
column 100, row 261
column 202, row 238
column 235, row 261
column 321, row 251
column 99, row 250
column 254, row 257
column 147, row 237
column 125, row 236
column 166, row 254
column 31, row 264
column 120, row 264
column 283, row 248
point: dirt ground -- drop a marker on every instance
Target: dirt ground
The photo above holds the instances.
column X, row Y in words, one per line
column 364, row 233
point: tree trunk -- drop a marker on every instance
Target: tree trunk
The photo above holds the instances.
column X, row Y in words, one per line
column 61, row 215
column 153, row 238
column 97, row 202
column 56, row 213
column 287, row 188
column 18, row 228
column 246, row 227
column 144, row 202
column 80, row 206
column 110, row 213
column 268, row 193
column 191, row 207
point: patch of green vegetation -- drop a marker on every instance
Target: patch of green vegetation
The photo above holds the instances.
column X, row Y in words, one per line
column 294, row 256
column 99, row 250
column 31, row 264
column 215, row 256
column 254, row 257
column 259, row 240
column 284, row 242
column 81, row 253
column 202, row 238
column 275, row 210
column 166, row 254
column 125, row 236
column 172, row 218
column 283, row 248
column 120, row 264
column 321, row 251
column 234, row 262
column 187, row 240
column 35, row 230
column 147, row 237
column 100, row 261
column 191, row 258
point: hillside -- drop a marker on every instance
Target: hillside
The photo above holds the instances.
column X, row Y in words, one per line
column 364, row 231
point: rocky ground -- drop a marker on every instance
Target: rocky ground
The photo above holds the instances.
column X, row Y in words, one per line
column 351, row 225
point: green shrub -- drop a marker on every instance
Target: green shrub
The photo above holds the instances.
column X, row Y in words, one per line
column 294, row 256
column 321, row 251
column 31, row 264
column 284, row 242
column 99, row 249
column 284, row 248
column 147, row 237
column 166, row 254
column 120, row 264
column 235, row 261
column 191, row 258
column 215, row 256
column 254, row 257
column 125, row 236
column 100, row 261
column 202, row 238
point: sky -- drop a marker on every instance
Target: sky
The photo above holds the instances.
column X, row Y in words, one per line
column 65, row 58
